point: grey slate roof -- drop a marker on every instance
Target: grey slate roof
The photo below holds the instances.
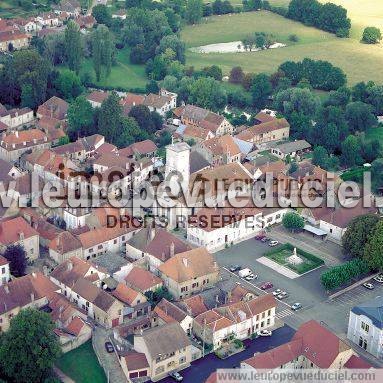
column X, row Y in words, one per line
column 166, row 339
column 372, row 309
column 198, row 162
column 290, row 147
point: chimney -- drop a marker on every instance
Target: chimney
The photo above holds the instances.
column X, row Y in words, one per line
column 17, row 133
column 70, row 265
column 163, row 257
column 172, row 249
column 185, row 262
column 32, row 297
column 6, row 288
column 21, row 235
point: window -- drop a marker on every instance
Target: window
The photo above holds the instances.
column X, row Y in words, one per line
column 3, row 270
column 365, row 327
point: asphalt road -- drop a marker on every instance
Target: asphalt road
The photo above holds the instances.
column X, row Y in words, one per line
column 199, row 370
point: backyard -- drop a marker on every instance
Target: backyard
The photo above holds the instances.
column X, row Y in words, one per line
column 81, row 365
column 281, row 254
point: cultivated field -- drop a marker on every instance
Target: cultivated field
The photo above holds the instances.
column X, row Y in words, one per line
column 361, row 62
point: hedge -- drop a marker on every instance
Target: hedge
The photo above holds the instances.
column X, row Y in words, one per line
column 343, row 274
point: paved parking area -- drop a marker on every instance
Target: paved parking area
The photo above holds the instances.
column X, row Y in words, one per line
column 329, row 251
column 306, row 289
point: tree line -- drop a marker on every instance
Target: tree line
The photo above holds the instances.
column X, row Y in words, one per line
column 328, row 17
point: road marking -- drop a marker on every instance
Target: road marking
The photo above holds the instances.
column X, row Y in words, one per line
column 283, row 313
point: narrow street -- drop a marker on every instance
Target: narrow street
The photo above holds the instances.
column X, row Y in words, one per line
column 108, row 361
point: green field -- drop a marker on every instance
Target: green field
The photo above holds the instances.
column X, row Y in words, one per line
column 10, row 8
column 123, row 75
column 81, row 365
column 361, row 62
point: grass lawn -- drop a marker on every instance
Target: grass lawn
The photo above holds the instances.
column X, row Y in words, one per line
column 10, row 8
column 361, row 62
column 281, row 254
column 82, row 365
column 124, row 74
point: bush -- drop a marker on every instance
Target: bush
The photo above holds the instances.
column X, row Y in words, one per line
column 293, row 38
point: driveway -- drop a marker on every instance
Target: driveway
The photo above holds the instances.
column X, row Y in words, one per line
column 108, row 361
column 202, row 368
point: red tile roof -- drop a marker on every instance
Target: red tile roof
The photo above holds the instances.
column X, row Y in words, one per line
column 75, row 326
column 22, row 291
column 135, row 361
column 14, row 229
column 142, row 279
column 125, row 294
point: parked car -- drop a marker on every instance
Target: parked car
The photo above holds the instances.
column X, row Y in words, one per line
column 266, row 285
column 265, row 239
column 251, row 277
column 282, row 295
column 260, row 237
column 176, row 376
column 277, row 292
column 296, row 306
column 234, row 268
column 273, row 243
column 368, row 286
column 244, row 272
column 109, row 347
column 264, row 333
column 379, row 278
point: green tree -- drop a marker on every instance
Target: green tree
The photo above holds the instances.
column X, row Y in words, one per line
column 194, row 11
column 68, row 85
column 130, row 133
column 144, row 118
column 377, row 174
column 236, row 75
column 175, row 44
column 73, row 46
column 102, row 50
column 358, row 233
column 17, row 258
column 63, row 140
column 320, row 157
column 30, row 73
column 293, row 221
column 261, row 89
column 359, row 116
column 373, row 251
column 208, row 93
column 110, row 117
column 29, row 348
column 102, row 15
column 351, row 151
column 80, row 118
column 371, row 35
